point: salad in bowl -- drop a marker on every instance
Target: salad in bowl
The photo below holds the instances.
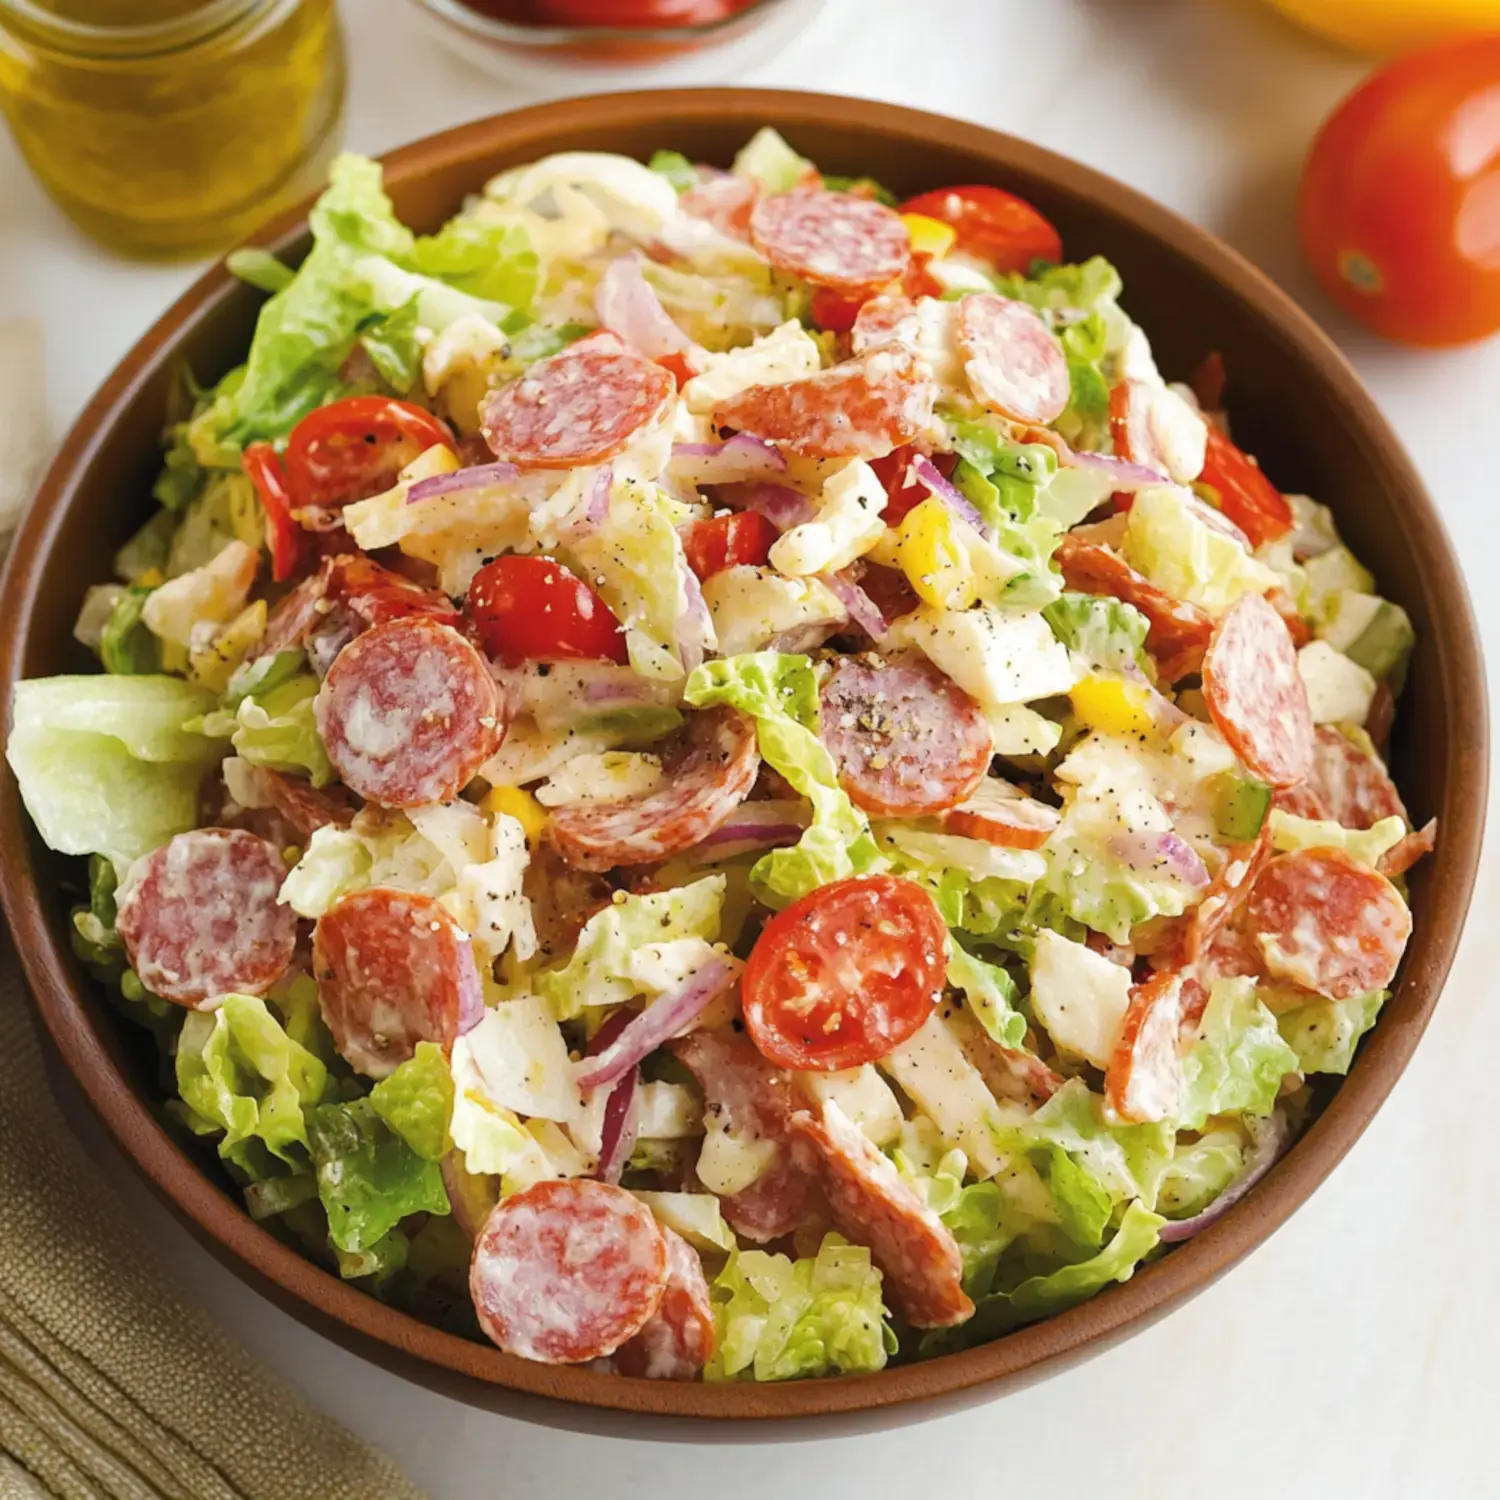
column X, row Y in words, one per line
column 710, row 775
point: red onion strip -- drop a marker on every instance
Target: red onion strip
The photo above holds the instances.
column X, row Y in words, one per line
column 481, row 476
column 863, row 610
column 618, row 1131
column 741, row 458
column 661, row 1020
column 1155, row 853
column 927, row 475
column 781, row 505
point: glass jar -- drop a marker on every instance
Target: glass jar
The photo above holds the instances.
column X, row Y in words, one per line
column 172, row 127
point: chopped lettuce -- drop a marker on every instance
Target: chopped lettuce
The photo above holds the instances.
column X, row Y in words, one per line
column 1168, row 541
column 105, row 764
column 1092, row 886
column 260, row 269
column 416, row 1101
column 490, row 261
column 369, row 1179
column 275, row 727
column 393, row 342
column 781, row 694
column 240, row 1073
column 1107, row 632
column 340, row 860
column 1199, row 1172
column 779, row 1319
column 1289, row 833
column 126, row 647
column 676, row 168
column 1238, row 1059
column 1325, row 1033
column 768, row 160
column 990, row 993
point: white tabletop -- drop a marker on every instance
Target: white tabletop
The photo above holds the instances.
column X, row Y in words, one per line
column 1352, row 1355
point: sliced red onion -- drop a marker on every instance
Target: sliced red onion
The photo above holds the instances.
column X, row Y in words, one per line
column 617, row 1131
column 574, row 690
column 1155, row 853
column 663, row 1019
column 1216, row 520
column 481, row 476
column 755, row 825
column 1123, row 475
column 863, row 610
column 781, row 505
column 1270, row 1138
column 470, row 996
column 596, row 509
column 693, row 623
column 927, row 474
column 627, row 305
column 741, row 457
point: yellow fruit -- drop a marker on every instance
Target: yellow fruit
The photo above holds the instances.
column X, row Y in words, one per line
column 517, row 804
column 1392, row 26
column 928, row 236
column 438, row 459
column 934, row 559
column 1113, row 706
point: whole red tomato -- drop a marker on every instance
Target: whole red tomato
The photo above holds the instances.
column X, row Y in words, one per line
column 1400, row 205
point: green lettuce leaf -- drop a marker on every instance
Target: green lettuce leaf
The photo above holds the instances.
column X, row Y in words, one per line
column 105, row 764
column 493, row 262
column 1179, row 552
column 767, row 159
column 240, row 1073
column 1108, row 632
column 1199, row 1172
column 416, row 1101
column 369, row 1179
column 676, row 168
column 393, row 344
column 779, row 1319
column 1238, row 1060
column 275, row 727
column 781, row 694
column 1325, row 1033
column 126, row 647
column 260, row 269
column 991, row 995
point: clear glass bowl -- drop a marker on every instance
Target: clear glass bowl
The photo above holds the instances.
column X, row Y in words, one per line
column 552, row 55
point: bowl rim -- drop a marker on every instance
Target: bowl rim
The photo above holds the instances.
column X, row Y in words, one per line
column 483, row 1375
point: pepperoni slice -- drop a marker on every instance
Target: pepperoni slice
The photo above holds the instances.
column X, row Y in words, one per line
column 883, row 320
column 860, row 409
column 1130, row 425
column 1328, row 923
column 1226, row 894
column 679, row 1338
column 1256, row 695
column 408, row 713
column 303, row 806
column 907, row 739
column 568, row 1271
column 998, row 813
column 1346, row 785
column 1144, row 1080
column 875, row 1206
column 393, row 969
column 707, row 778
column 199, row 918
column 580, row 406
column 1015, row 365
column 353, row 591
column 754, row 1099
column 1415, row 846
column 1179, row 632
column 831, row 239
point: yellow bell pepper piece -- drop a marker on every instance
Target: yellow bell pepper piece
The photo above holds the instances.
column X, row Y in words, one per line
column 517, row 804
column 1113, row 706
column 438, row 459
column 213, row 665
column 933, row 558
column 929, row 237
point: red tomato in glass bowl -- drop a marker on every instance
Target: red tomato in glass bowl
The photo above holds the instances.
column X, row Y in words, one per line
column 636, row 12
column 1400, row 202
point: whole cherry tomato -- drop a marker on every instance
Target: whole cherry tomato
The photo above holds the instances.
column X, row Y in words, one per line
column 285, row 539
column 1400, row 203
column 728, row 541
column 992, row 224
column 846, row 974
column 355, row 447
column 534, row 609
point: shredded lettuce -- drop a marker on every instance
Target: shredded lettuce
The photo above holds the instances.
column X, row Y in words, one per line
column 991, row 995
column 416, row 1101
column 1199, row 1172
column 676, row 168
column 1325, row 1033
column 275, row 727
column 1238, row 1060
column 1108, row 632
column 781, row 694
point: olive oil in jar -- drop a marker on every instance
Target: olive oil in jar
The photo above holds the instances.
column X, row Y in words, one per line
column 172, row 127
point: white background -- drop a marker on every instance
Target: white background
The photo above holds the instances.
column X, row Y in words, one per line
column 1354, row 1354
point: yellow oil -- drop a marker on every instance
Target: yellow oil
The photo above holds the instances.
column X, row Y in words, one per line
column 172, row 127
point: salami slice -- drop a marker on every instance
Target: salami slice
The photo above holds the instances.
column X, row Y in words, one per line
column 393, row 969
column 707, row 778
column 998, row 813
column 408, row 713
column 725, row 201
column 1226, row 895
column 863, row 408
column 1415, row 846
column 752, row 1098
column 875, row 1206
column 831, row 239
column 679, row 1338
column 296, row 614
column 908, row 741
column 199, row 917
column 1144, row 1080
column 1180, row 631
column 1346, row 785
column 1328, row 923
column 567, row 1271
column 884, row 320
column 580, row 406
column 348, row 594
column 1015, row 365
column 303, row 806
column 1256, row 695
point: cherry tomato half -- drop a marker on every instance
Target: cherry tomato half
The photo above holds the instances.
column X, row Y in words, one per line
column 728, row 541
column 904, row 494
column 533, row 609
column 1246, row 496
column 354, row 448
column 992, row 224
column 846, row 974
column 835, row 314
column 1400, row 200
column 285, row 539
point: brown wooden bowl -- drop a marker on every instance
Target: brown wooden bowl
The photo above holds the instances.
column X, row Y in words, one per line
column 1295, row 402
